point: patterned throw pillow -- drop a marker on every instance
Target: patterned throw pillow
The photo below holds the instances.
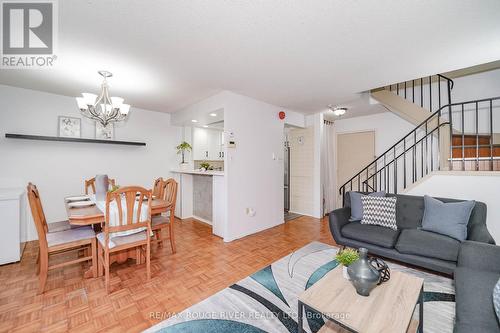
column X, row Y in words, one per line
column 496, row 298
column 379, row 211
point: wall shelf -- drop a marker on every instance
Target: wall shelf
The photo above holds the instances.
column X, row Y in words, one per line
column 81, row 140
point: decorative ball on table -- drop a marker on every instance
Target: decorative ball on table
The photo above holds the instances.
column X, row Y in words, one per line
column 382, row 267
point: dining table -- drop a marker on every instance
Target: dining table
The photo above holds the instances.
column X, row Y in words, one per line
column 94, row 216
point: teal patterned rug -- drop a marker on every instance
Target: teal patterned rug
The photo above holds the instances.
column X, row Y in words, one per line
column 266, row 301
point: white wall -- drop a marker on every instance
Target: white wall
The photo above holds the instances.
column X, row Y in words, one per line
column 254, row 169
column 60, row 168
column 479, row 186
column 253, row 178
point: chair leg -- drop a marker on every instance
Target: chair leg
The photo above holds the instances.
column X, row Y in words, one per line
column 94, row 257
column 148, row 260
column 44, row 271
column 158, row 237
column 100, row 260
column 138, row 257
column 106, row 270
column 171, row 232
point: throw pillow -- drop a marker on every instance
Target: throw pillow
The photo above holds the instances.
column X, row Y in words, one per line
column 496, row 298
column 449, row 219
column 379, row 211
column 357, row 207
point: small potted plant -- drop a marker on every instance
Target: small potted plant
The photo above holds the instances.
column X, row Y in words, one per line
column 346, row 257
column 181, row 149
column 204, row 166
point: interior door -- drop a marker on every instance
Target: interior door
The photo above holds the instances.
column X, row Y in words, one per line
column 354, row 152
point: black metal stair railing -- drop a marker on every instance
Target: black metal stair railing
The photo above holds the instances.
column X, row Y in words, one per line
column 420, row 152
column 431, row 92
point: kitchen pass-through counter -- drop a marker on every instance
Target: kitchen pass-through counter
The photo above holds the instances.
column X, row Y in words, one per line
column 202, row 196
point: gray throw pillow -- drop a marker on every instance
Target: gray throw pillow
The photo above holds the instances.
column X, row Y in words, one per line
column 449, row 219
column 496, row 298
column 356, row 205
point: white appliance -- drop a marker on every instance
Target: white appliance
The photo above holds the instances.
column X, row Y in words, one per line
column 12, row 215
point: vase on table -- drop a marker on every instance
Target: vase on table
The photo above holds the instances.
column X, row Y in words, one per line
column 362, row 274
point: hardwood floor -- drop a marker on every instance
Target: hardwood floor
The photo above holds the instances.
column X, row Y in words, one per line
column 203, row 265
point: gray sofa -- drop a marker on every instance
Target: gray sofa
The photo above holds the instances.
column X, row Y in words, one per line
column 475, row 263
column 408, row 244
column 477, row 272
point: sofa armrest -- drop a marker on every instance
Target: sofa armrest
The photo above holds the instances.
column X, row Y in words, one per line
column 476, row 229
column 480, row 233
column 338, row 218
column 479, row 256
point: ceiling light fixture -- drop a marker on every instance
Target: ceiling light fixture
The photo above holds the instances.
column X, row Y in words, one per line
column 206, row 126
column 194, row 121
column 337, row 111
column 103, row 108
column 213, row 114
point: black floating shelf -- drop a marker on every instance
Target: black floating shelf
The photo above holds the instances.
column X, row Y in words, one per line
column 60, row 139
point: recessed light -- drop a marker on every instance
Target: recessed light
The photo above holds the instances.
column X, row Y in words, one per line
column 213, row 114
column 206, row 126
column 194, row 121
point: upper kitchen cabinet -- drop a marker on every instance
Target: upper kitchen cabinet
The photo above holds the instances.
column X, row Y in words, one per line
column 208, row 144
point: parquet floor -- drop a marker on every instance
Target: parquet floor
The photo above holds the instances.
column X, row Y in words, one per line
column 203, row 265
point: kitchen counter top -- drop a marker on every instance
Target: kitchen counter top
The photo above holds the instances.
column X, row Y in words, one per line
column 203, row 173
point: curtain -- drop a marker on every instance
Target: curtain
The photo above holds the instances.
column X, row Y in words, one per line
column 328, row 167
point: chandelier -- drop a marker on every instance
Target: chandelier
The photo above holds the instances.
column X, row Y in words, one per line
column 103, row 108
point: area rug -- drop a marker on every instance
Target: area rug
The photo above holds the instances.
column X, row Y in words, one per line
column 266, row 301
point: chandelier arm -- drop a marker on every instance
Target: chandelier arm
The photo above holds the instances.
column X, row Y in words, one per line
column 104, row 117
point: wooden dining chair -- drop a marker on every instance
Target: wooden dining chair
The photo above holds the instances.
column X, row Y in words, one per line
column 160, row 222
column 53, row 226
column 90, row 184
column 129, row 202
column 60, row 242
column 158, row 187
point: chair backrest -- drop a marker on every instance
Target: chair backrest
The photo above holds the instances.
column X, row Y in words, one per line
column 127, row 199
column 90, row 184
column 158, row 187
column 38, row 215
column 170, row 191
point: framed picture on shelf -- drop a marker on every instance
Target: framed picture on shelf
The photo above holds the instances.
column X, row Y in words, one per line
column 104, row 133
column 69, row 127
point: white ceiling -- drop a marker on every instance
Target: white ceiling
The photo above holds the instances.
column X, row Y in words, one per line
column 301, row 55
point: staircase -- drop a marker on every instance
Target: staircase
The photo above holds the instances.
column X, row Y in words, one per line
column 463, row 136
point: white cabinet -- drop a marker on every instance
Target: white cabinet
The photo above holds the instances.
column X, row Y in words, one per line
column 12, row 212
column 200, row 144
column 207, row 144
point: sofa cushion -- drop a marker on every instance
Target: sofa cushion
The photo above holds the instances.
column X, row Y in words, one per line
column 372, row 234
column 449, row 218
column 357, row 207
column 474, row 298
column 428, row 244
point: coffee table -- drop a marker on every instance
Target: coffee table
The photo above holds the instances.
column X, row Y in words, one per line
column 389, row 308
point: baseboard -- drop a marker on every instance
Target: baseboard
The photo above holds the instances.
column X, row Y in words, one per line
column 202, row 220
